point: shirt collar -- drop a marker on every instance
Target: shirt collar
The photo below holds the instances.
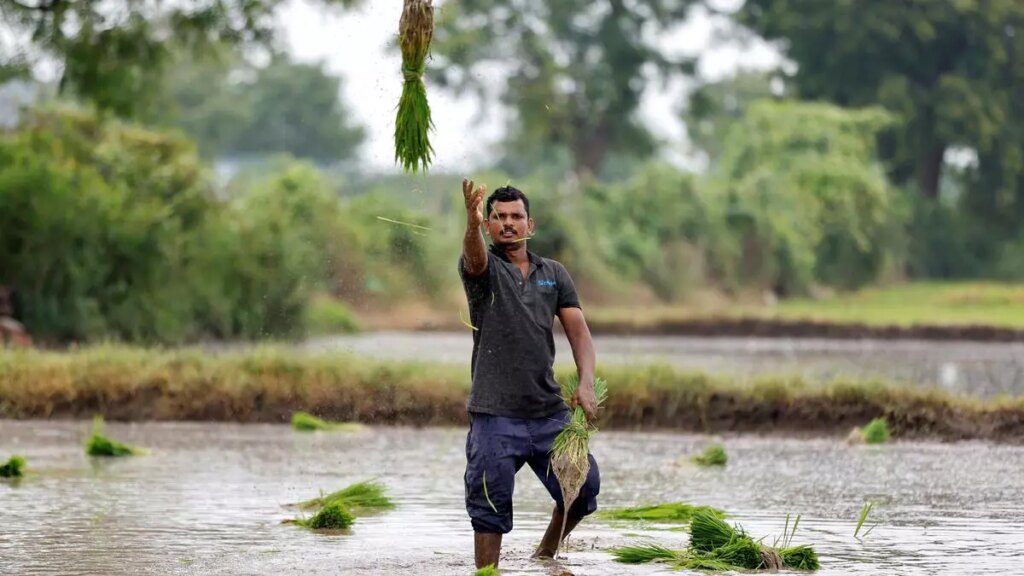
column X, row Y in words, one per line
column 534, row 259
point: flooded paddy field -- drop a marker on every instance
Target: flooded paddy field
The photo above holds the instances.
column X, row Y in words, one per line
column 209, row 498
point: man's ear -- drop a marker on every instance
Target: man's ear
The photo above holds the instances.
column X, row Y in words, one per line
column 529, row 226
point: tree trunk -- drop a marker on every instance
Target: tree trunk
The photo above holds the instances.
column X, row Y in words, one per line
column 590, row 151
column 929, row 171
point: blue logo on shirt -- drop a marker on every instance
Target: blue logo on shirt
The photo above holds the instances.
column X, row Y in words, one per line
column 545, row 282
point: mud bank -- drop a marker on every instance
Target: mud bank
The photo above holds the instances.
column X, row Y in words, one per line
column 130, row 384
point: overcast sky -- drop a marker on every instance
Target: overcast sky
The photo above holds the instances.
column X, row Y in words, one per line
column 353, row 45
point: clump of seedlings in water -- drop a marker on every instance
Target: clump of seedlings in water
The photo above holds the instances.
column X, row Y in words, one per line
column 570, row 449
column 488, row 570
column 674, row 512
column 13, row 468
column 332, row 516
column 876, row 432
column 715, row 545
column 100, row 445
column 339, row 509
column 366, row 495
column 713, row 455
column 306, row 422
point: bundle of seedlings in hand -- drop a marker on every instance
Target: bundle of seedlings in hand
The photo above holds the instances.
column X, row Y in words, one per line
column 366, row 495
column 14, row 468
column 415, row 31
column 713, row 455
column 571, row 447
column 674, row 512
column 306, row 422
column 715, row 545
column 100, row 445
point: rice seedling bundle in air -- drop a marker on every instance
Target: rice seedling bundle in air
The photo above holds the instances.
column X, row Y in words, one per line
column 306, row 422
column 713, row 455
column 368, row 495
column 570, row 448
column 876, row 432
column 13, row 468
column 100, row 445
column 412, row 124
column 716, row 545
column 674, row 512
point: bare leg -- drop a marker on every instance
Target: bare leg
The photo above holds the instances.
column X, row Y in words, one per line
column 549, row 543
column 488, row 547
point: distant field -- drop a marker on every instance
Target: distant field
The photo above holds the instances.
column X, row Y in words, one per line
column 931, row 303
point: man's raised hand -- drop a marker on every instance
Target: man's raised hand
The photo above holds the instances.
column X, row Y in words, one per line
column 474, row 203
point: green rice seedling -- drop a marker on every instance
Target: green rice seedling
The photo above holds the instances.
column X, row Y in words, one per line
column 333, row 516
column 413, row 123
column 367, row 495
column 571, row 447
column 800, row 558
column 13, row 468
column 100, row 445
column 672, row 512
column 860, row 520
column 742, row 552
column 876, row 432
column 713, row 455
column 644, row 553
column 708, row 532
column 488, row 570
column 305, row 422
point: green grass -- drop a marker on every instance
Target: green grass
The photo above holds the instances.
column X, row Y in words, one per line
column 876, row 432
column 305, row 422
column 267, row 384
column 713, row 455
column 360, row 496
column 668, row 513
column 488, row 570
column 924, row 303
column 100, row 445
column 918, row 303
column 13, row 468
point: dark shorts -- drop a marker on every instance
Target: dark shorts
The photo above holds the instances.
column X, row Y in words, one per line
column 496, row 448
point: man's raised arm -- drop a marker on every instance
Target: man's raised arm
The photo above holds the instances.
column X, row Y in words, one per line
column 474, row 251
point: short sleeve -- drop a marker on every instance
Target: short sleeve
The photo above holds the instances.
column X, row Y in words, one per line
column 567, row 297
column 476, row 286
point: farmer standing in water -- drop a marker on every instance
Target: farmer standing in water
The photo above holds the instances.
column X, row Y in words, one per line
column 515, row 406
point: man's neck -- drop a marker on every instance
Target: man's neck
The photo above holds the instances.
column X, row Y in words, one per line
column 516, row 253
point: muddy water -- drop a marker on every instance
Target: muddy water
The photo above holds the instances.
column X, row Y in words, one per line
column 208, row 499
column 978, row 369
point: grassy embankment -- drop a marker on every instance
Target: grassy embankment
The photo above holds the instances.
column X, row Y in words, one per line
column 269, row 385
column 932, row 309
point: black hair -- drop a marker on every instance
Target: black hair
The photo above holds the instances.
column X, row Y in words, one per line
column 507, row 194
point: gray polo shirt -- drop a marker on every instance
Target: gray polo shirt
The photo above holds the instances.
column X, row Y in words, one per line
column 513, row 347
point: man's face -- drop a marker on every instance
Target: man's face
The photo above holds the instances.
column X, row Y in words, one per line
column 508, row 223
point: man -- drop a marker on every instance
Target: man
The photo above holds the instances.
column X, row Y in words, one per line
column 515, row 405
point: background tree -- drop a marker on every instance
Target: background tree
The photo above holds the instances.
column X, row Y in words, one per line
column 111, row 53
column 713, row 107
column 576, row 70
column 232, row 108
column 952, row 72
